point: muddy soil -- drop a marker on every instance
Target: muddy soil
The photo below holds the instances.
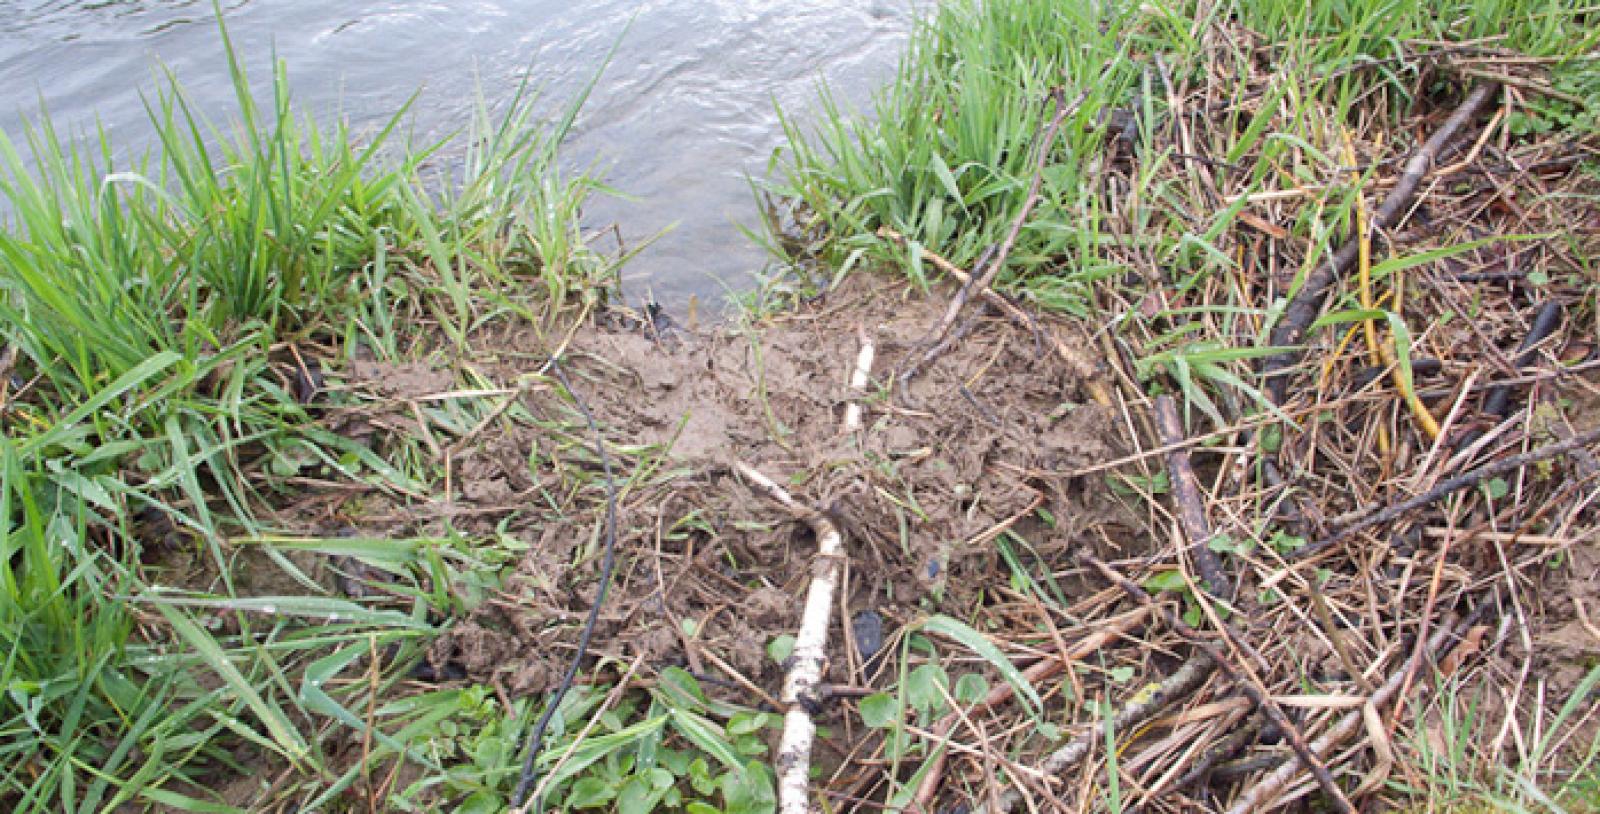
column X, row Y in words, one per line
column 984, row 440
column 710, row 571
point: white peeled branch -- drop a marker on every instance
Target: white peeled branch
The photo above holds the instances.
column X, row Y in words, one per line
column 811, row 641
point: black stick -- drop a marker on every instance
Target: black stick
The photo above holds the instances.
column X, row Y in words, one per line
column 1544, row 324
column 1498, row 402
column 530, row 772
column 1449, row 486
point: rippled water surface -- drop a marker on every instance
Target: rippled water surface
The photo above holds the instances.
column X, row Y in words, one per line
column 682, row 114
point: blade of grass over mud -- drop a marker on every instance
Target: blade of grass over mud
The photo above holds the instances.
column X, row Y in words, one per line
column 285, row 736
column 966, row 636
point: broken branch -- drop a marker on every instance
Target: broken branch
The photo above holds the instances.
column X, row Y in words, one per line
column 1448, row 487
column 801, row 687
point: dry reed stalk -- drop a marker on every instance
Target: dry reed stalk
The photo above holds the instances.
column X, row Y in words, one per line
column 1099, row 637
column 1261, row 795
column 1246, row 682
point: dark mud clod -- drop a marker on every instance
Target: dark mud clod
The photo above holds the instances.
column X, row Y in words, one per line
column 868, row 629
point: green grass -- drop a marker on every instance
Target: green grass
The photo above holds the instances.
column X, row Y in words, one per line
column 947, row 155
column 1188, row 110
column 950, row 153
column 153, row 306
column 157, row 308
column 1542, row 766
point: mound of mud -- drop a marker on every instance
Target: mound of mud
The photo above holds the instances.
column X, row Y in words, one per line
column 711, row 571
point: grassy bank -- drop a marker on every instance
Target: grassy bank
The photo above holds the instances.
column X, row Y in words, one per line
column 175, row 324
column 298, row 516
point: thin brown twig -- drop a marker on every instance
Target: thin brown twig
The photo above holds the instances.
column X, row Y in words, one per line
column 1186, row 493
column 1102, row 635
column 1075, row 360
column 1179, row 684
column 1246, row 682
column 1447, row 487
column 1231, row 744
column 982, row 281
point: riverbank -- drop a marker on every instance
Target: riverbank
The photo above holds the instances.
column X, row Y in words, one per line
column 304, row 513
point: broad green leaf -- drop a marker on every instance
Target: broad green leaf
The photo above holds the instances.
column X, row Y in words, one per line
column 971, row 688
column 590, row 792
column 681, row 690
column 749, row 791
column 781, row 647
column 482, row 802
column 700, row 776
column 926, row 687
column 879, row 710
column 1170, row 580
column 748, row 723
column 1497, row 488
column 706, row 736
column 643, row 792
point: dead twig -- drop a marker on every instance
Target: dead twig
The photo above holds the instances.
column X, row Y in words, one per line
column 1232, row 744
column 1101, row 636
column 1186, row 493
column 1307, row 303
column 1449, row 486
column 1246, row 682
column 1498, row 402
column 982, row 281
column 1183, row 681
column 1074, row 360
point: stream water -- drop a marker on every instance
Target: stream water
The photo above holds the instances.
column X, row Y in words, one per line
column 684, row 112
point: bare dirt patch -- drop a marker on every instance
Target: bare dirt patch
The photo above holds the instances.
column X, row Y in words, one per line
column 711, row 572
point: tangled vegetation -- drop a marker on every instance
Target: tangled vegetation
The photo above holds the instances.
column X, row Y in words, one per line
column 297, row 516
